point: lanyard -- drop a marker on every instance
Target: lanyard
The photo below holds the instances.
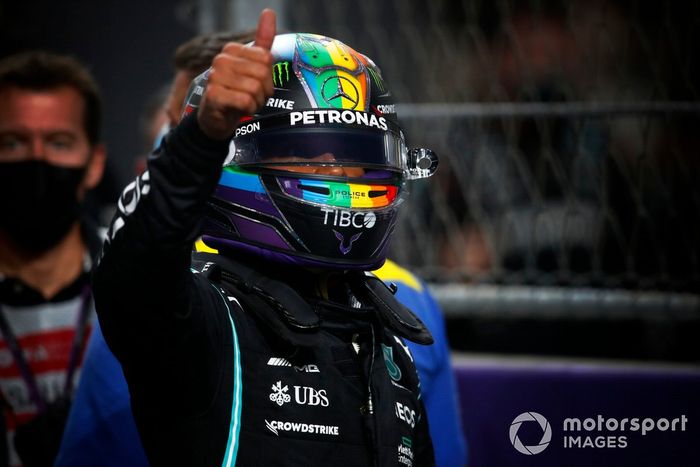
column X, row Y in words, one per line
column 76, row 349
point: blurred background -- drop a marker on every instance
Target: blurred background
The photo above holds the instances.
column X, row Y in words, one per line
column 565, row 217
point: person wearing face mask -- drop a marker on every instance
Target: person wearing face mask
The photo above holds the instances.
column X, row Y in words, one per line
column 50, row 157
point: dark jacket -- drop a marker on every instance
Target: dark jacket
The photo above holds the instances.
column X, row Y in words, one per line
column 241, row 362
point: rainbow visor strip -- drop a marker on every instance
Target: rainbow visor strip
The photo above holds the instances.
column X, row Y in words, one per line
column 339, row 194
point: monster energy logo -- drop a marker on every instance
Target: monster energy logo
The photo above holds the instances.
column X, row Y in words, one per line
column 377, row 79
column 280, row 73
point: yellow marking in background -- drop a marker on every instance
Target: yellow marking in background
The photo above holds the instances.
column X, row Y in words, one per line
column 392, row 272
column 202, row 247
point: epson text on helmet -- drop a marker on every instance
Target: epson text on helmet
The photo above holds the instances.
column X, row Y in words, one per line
column 344, row 218
column 248, row 128
column 349, row 117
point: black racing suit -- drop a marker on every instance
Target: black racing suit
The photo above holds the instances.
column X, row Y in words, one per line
column 230, row 360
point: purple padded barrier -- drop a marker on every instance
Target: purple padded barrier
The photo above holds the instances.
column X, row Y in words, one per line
column 494, row 391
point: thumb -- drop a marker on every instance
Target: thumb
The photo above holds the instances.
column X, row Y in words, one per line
column 265, row 34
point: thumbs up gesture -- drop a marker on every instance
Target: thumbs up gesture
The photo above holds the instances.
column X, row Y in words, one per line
column 240, row 81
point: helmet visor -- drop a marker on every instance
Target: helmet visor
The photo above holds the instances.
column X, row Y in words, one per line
column 285, row 140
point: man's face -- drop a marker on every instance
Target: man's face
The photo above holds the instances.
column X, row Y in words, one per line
column 48, row 126
column 330, row 169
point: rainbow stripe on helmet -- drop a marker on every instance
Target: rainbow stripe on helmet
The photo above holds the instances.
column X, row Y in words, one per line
column 333, row 74
column 339, row 194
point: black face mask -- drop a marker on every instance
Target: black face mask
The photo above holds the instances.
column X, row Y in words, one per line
column 38, row 203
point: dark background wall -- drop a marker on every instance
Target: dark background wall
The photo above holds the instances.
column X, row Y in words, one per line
column 126, row 44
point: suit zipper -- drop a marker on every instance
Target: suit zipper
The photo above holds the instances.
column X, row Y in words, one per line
column 369, row 408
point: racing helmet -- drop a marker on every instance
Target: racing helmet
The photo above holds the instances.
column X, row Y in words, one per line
column 315, row 178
